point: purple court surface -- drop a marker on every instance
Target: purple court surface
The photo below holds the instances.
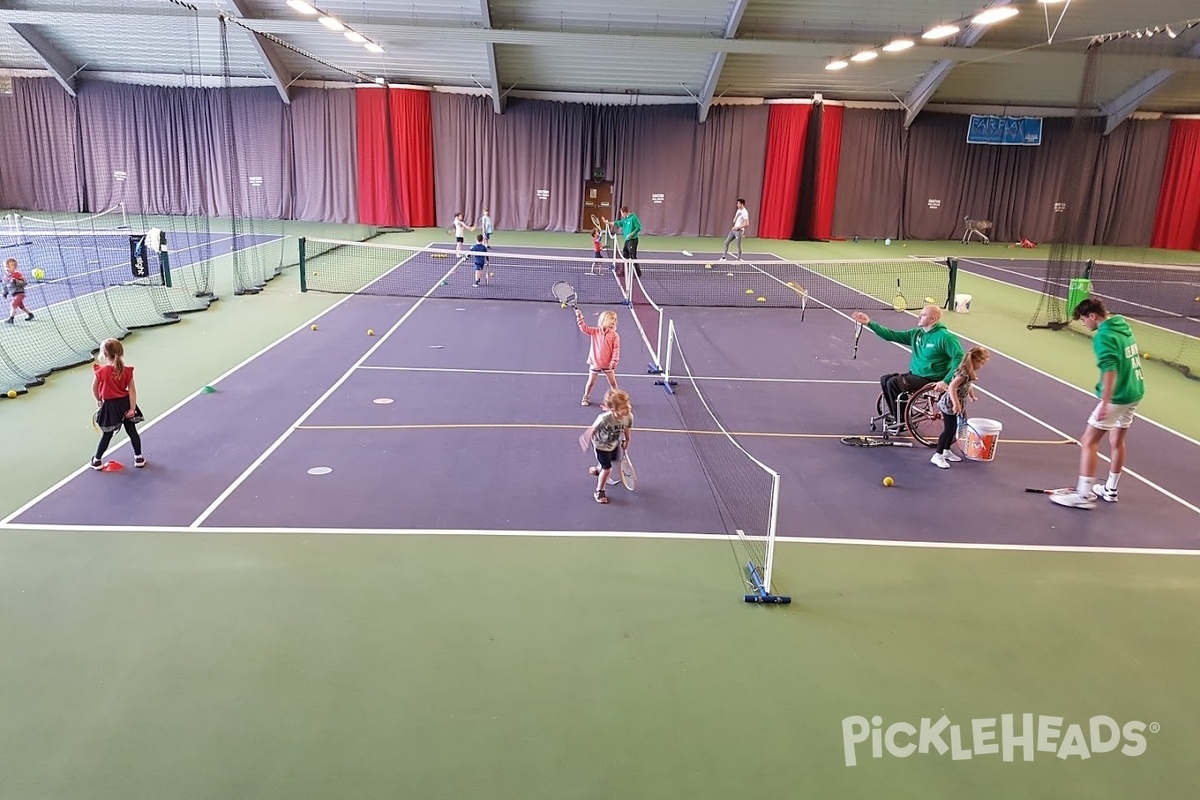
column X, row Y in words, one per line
column 464, row 415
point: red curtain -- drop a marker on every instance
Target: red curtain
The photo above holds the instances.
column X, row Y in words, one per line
column 1177, row 221
column 787, row 125
column 830, row 150
column 395, row 158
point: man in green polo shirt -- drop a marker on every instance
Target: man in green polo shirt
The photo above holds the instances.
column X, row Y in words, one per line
column 631, row 230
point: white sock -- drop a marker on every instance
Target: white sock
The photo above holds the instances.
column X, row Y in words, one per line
column 1085, row 485
column 1111, row 484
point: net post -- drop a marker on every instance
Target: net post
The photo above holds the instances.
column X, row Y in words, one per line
column 303, row 264
column 164, row 262
column 124, row 216
column 665, row 381
column 952, row 289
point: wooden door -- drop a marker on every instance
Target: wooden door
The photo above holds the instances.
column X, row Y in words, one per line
column 597, row 200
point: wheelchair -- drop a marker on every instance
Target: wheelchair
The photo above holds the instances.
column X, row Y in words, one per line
column 919, row 411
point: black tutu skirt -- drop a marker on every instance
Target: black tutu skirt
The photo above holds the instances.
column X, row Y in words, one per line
column 111, row 415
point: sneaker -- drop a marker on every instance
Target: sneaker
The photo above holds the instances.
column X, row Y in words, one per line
column 939, row 461
column 96, row 463
column 139, row 461
column 1073, row 500
column 476, row 284
column 722, row 258
column 1104, row 493
column 10, row 321
column 952, row 457
column 600, row 496
column 28, row 317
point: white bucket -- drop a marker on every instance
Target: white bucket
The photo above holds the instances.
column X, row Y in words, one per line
column 979, row 437
column 962, row 303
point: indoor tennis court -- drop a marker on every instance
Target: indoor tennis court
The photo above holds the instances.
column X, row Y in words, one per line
column 364, row 556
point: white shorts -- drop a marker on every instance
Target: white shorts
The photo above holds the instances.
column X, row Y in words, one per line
column 1118, row 416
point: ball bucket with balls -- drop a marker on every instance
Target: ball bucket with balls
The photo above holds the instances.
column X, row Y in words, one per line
column 978, row 438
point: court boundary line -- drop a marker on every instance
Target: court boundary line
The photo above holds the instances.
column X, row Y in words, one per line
column 231, row 488
column 1079, row 389
column 538, row 534
column 547, row 373
column 156, row 419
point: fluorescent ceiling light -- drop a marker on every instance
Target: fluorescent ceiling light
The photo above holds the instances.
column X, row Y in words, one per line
column 332, row 23
column 374, row 48
column 833, row 66
column 301, row 6
column 865, row 55
column 1049, row 2
column 940, row 31
column 355, row 37
column 991, row 16
column 896, row 45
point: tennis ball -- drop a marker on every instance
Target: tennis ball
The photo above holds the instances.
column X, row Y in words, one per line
column 1145, row 355
column 761, row 300
column 38, row 273
column 888, row 481
column 708, row 266
column 749, row 291
column 12, row 393
column 370, row 332
column 314, row 327
column 888, row 242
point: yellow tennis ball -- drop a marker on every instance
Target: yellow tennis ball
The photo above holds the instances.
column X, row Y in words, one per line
column 370, row 332
column 749, row 291
column 888, row 481
column 1145, row 355
column 38, row 273
column 708, row 266
column 314, row 327
column 761, row 300
column 12, row 393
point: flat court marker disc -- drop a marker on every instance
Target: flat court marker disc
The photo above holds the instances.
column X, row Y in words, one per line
column 436, row 346
column 320, row 470
column 383, row 401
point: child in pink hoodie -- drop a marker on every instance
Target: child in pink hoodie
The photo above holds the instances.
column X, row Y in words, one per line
column 604, row 352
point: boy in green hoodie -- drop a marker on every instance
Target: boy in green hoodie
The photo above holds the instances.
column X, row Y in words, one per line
column 936, row 353
column 1120, row 389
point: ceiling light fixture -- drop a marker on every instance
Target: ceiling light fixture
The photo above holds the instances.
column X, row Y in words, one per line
column 1170, row 32
column 332, row 23
column 355, row 37
column 896, row 45
column 374, row 48
column 940, row 31
column 864, row 55
column 837, row 64
column 302, row 7
column 991, row 16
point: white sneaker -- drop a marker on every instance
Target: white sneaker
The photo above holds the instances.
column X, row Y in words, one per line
column 1104, row 493
column 1073, row 500
column 952, row 457
column 939, row 461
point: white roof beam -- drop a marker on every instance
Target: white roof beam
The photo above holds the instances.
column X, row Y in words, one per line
column 718, row 63
column 1119, row 109
column 928, row 85
column 56, row 62
column 272, row 63
column 485, row 14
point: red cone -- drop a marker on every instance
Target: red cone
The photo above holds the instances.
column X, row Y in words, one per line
column 112, row 466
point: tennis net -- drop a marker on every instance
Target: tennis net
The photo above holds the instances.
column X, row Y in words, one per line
column 745, row 490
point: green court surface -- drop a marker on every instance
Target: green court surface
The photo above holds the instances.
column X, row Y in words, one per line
column 166, row 665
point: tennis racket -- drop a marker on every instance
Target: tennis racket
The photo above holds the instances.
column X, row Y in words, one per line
column 596, row 223
column 858, row 326
column 898, row 302
column 1049, row 491
column 565, row 294
column 96, row 420
column 800, row 290
column 628, row 476
column 867, row 441
column 585, row 440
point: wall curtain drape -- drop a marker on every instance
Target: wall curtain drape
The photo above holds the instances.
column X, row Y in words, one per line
column 787, row 131
column 1177, row 220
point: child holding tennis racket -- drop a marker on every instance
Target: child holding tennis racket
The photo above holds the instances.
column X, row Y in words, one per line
column 952, row 403
column 460, row 229
column 116, row 394
column 610, row 434
column 604, row 351
column 14, row 285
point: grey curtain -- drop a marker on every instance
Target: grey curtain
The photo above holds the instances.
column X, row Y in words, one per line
column 870, row 175
column 40, row 168
column 324, row 140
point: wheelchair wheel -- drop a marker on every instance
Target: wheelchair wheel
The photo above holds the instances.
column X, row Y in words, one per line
column 923, row 417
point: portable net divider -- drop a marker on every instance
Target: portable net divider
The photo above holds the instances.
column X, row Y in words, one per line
column 746, row 490
column 648, row 316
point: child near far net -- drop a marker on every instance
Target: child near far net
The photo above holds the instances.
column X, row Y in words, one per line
column 953, row 403
column 604, row 351
column 610, row 434
column 116, row 394
column 597, row 243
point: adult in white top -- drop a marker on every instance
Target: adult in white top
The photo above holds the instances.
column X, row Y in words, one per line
column 741, row 221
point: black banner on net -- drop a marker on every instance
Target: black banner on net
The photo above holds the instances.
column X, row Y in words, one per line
column 137, row 257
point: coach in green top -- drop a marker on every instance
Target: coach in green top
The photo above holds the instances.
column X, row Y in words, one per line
column 1120, row 389
column 936, row 353
column 631, row 229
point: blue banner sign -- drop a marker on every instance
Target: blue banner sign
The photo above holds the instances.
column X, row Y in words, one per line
column 990, row 129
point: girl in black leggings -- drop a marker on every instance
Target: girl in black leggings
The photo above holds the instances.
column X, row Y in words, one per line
column 952, row 403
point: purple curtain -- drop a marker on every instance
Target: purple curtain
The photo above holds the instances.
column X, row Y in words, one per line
column 870, row 174
column 325, row 142
column 39, row 159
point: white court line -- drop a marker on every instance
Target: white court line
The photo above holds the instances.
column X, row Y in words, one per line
column 1057, row 379
column 536, row 373
column 288, row 432
column 719, row 536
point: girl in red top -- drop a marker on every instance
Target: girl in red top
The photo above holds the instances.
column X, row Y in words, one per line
column 14, row 284
column 604, row 353
column 116, row 394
